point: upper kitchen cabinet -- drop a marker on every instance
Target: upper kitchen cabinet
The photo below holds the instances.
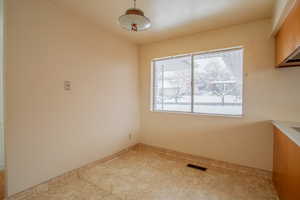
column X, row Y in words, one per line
column 288, row 36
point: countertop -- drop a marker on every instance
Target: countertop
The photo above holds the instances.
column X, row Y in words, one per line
column 287, row 128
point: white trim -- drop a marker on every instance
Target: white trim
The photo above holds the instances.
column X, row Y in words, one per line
column 192, row 83
column 198, row 114
column 152, row 83
column 197, row 53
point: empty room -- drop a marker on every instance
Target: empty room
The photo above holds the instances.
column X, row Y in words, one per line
column 150, row 100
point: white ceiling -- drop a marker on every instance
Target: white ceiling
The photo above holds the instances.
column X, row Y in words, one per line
column 171, row 18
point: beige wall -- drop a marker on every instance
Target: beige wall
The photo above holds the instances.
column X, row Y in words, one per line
column 269, row 94
column 50, row 131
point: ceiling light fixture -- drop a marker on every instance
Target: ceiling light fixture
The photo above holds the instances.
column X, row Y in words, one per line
column 134, row 20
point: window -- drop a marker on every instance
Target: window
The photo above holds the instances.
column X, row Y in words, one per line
column 206, row 83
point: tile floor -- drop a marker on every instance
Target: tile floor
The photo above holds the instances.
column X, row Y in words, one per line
column 148, row 175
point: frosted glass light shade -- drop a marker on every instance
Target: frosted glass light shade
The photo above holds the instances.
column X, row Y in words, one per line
column 134, row 20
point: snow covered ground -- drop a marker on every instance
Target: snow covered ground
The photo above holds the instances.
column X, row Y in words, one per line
column 204, row 109
column 204, row 99
column 184, row 105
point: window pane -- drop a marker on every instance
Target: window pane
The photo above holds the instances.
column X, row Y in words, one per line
column 218, row 82
column 172, row 84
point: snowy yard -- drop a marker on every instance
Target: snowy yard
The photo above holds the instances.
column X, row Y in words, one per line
column 204, row 99
column 204, row 109
column 203, row 104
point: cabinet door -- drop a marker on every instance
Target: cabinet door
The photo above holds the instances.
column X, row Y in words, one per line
column 288, row 37
column 286, row 168
column 276, row 159
column 294, row 170
column 297, row 23
column 284, row 42
column 281, row 164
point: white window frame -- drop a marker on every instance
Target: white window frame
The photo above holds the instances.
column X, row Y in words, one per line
column 152, row 95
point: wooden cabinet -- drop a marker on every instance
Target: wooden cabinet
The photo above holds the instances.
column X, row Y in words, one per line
column 288, row 37
column 286, row 167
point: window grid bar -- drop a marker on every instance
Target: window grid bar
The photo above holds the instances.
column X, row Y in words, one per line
column 192, row 83
column 200, row 53
column 154, row 88
column 163, row 87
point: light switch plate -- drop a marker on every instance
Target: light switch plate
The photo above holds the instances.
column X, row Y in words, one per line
column 67, row 85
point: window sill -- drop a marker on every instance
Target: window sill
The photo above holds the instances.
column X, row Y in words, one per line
column 198, row 114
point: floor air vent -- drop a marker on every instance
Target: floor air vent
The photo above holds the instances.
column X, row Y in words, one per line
column 197, row 167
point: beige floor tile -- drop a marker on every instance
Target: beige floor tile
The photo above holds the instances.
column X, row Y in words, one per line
column 111, row 197
column 76, row 189
column 148, row 175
